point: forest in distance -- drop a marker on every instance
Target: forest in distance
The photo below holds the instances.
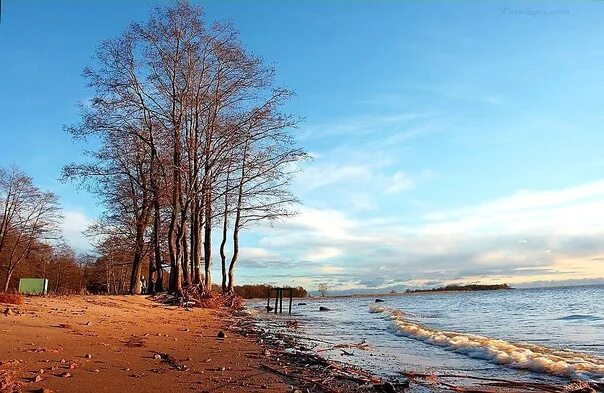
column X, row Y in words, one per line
column 186, row 144
column 469, row 287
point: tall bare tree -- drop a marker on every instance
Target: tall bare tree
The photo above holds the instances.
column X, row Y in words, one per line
column 191, row 137
column 28, row 216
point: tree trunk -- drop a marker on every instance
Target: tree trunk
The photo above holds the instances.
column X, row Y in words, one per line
column 197, row 245
column 225, row 222
column 185, row 252
column 207, row 243
column 9, row 274
column 135, row 276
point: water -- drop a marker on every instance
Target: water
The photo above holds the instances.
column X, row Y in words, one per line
column 540, row 335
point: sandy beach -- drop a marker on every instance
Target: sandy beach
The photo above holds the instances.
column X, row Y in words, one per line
column 126, row 344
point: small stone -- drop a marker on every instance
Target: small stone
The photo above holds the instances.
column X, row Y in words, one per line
column 65, row 375
column 157, row 356
column 96, row 370
column 8, row 311
column 267, row 353
column 38, row 378
column 43, row 390
column 128, row 369
column 222, row 369
column 88, row 356
column 63, row 361
column 73, row 365
column 221, row 334
column 41, row 371
column 88, row 323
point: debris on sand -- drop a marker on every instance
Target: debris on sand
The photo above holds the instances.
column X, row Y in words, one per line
column 173, row 362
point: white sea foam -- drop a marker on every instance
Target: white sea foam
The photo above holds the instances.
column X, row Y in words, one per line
column 518, row 355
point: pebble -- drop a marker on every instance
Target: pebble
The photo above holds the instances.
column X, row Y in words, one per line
column 221, row 334
column 38, row 378
column 88, row 356
column 65, row 375
column 157, row 356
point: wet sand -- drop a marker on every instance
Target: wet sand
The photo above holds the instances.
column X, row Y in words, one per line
column 126, row 344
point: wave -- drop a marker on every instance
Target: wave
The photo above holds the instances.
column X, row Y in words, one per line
column 517, row 355
column 581, row 317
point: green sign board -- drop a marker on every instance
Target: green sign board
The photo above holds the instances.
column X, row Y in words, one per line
column 33, row 286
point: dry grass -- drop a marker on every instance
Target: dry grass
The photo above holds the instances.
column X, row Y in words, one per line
column 11, row 298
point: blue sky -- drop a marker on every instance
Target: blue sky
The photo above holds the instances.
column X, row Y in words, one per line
column 452, row 141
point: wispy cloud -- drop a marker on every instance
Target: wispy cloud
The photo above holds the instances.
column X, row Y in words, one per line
column 526, row 236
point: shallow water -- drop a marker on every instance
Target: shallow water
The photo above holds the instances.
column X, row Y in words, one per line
column 551, row 335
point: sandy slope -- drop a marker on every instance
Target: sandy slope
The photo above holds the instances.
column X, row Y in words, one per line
column 122, row 335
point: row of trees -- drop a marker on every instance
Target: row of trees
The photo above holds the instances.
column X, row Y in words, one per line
column 188, row 145
column 29, row 217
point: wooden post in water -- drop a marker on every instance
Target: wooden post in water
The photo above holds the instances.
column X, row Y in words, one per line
column 268, row 301
column 281, row 301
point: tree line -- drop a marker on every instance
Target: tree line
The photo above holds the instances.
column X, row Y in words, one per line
column 188, row 144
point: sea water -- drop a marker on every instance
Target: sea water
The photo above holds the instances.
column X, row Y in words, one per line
column 540, row 335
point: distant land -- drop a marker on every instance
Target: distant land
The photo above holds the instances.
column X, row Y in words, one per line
column 471, row 287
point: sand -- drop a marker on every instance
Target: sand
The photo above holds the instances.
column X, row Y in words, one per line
column 110, row 343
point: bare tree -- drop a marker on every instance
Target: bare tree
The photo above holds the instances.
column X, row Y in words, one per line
column 191, row 137
column 28, row 216
column 323, row 288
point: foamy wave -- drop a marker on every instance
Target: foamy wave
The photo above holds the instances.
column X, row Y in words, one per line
column 523, row 356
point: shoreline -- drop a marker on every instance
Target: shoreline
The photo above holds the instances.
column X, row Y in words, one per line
column 80, row 343
column 306, row 368
column 132, row 344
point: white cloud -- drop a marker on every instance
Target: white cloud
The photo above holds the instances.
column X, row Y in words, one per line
column 323, row 253
column 72, row 227
column 398, row 182
column 526, row 236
